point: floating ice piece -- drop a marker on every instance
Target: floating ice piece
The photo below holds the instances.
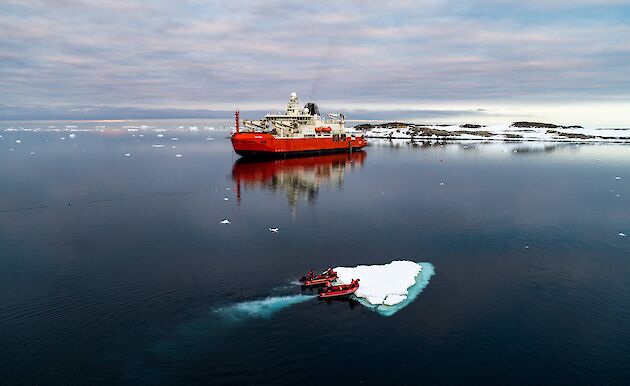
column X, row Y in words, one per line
column 174, row 139
column 387, row 288
column 160, row 135
column 226, row 221
column 617, row 178
column 178, row 155
column 127, row 154
column 209, row 139
column 226, row 199
column 157, row 145
column 18, row 141
column 193, row 128
column 72, row 135
column 622, row 234
column 273, row 230
column 441, row 183
column 32, row 153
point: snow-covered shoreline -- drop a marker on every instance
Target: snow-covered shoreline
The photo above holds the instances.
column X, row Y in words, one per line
column 502, row 132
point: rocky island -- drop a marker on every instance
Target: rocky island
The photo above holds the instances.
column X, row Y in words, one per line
column 517, row 131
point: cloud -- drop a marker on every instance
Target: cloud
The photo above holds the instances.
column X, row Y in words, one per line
column 213, row 55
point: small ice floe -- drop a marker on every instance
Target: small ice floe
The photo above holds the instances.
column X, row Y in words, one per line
column 273, row 230
column 72, row 135
column 63, row 138
column 622, row 234
column 160, row 135
column 209, row 139
column 226, row 199
column 18, row 141
column 193, row 128
column 390, row 287
column 157, row 145
column 617, row 178
column 173, row 147
column 226, row 221
column 141, row 135
column 174, row 139
column 32, row 153
column 441, row 183
column 178, row 155
column 526, row 246
column 127, row 154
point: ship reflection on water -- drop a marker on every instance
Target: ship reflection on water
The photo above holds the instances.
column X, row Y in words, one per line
column 300, row 178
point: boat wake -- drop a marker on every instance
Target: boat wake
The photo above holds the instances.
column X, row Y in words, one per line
column 262, row 308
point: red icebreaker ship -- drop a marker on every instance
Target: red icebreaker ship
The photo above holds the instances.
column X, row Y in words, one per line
column 295, row 132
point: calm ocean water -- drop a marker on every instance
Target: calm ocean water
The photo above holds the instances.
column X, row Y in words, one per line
column 115, row 269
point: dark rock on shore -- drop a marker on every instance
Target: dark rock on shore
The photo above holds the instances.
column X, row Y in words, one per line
column 471, row 126
column 542, row 125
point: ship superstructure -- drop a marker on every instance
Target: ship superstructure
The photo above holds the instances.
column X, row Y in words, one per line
column 297, row 130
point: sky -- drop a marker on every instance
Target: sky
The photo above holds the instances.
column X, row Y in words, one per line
column 473, row 60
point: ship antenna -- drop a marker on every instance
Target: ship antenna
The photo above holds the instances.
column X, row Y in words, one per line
column 236, row 116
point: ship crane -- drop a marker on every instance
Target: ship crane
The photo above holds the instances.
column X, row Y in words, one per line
column 256, row 125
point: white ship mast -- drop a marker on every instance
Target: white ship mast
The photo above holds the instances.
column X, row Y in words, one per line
column 299, row 123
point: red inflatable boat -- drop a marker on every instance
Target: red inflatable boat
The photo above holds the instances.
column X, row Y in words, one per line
column 310, row 280
column 332, row 291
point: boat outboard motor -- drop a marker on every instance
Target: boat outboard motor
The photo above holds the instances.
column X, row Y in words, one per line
column 312, row 108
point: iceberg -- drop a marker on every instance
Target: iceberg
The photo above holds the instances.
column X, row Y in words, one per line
column 387, row 288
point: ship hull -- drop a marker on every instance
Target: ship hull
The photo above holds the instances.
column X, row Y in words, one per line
column 266, row 145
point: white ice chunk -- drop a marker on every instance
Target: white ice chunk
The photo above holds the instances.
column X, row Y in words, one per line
column 226, row 221
column 127, row 154
column 378, row 282
column 388, row 288
column 160, row 135
column 72, row 135
column 622, row 234
column 175, row 139
column 157, row 145
column 178, row 155
column 617, row 178
column 273, row 230
column 18, row 141
column 225, row 199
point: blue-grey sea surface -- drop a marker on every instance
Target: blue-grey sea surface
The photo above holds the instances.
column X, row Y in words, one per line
column 115, row 268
